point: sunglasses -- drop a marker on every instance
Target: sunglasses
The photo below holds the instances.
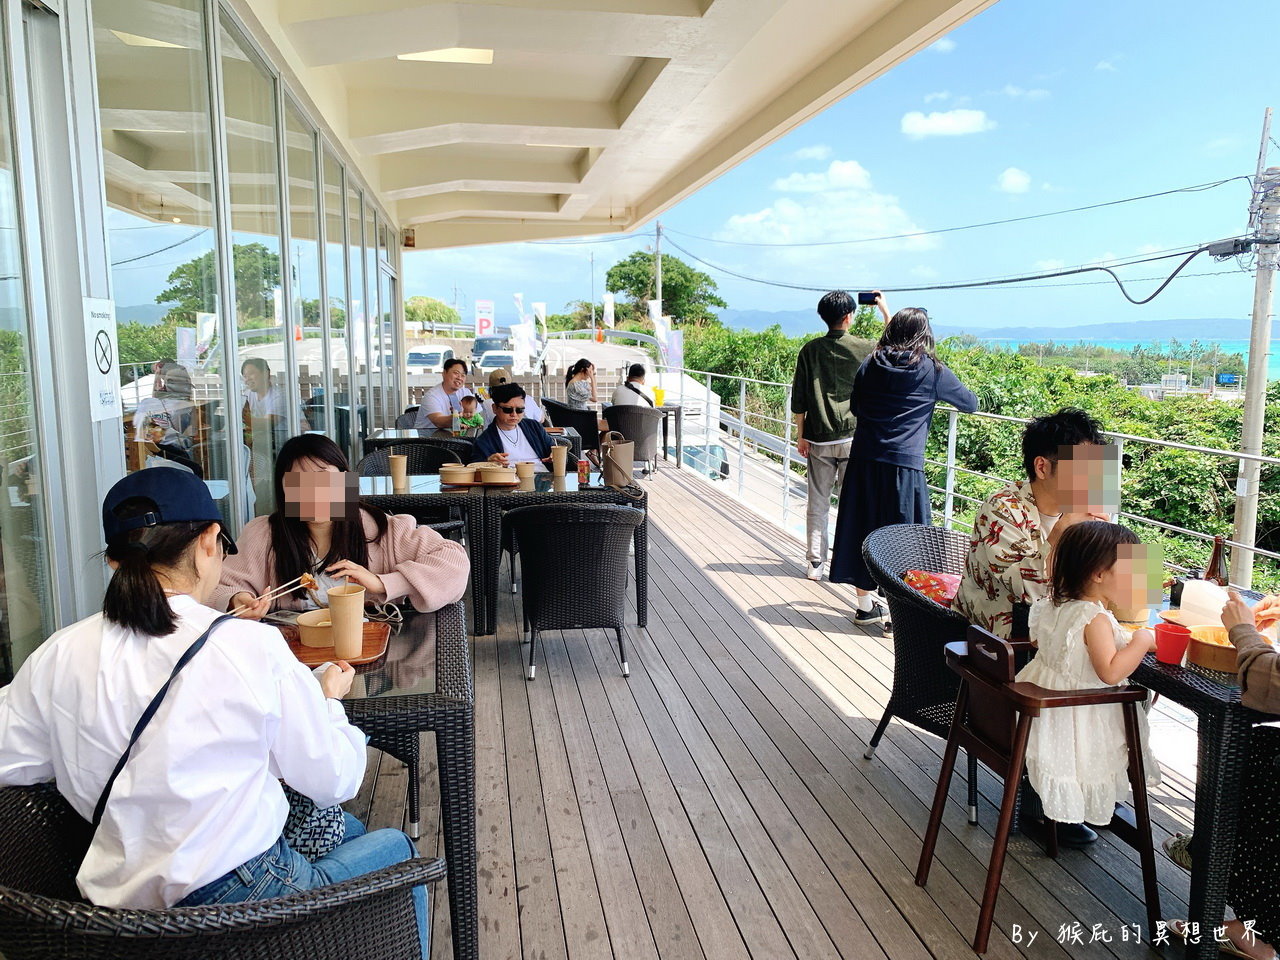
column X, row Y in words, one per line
column 518, row 411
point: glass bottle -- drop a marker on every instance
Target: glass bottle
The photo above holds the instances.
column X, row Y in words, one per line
column 1216, row 571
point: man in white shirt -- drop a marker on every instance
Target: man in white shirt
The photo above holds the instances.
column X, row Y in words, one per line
column 441, row 403
column 634, row 393
column 260, row 396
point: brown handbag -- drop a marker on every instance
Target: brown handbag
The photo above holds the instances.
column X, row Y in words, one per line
column 617, row 455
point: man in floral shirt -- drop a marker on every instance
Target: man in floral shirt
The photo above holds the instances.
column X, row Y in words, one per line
column 1017, row 526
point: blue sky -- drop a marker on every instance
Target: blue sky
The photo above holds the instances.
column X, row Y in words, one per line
column 1033, row 106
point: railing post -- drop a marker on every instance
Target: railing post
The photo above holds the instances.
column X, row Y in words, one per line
column 1119, row 477
column 742, row 435
column 680, row 433
column 706, row 429
column 948, row 510
column 786, row 461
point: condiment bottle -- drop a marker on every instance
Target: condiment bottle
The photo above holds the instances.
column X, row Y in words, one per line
column 1216, row 571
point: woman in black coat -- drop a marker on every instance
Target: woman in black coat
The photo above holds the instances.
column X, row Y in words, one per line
column 894, row 394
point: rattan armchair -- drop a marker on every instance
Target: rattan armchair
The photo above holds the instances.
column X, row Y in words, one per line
column 584, row 421
column 408, row 419
column 573, row 561
column 43, row 916
column 924, row 688
column 640, row 425
column 422, row 458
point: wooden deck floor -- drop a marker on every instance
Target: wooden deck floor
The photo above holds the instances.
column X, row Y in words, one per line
column 716, row 804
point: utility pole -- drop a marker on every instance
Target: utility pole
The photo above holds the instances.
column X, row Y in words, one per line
column 657, row 267
column 1264, row 224
column 593, row 290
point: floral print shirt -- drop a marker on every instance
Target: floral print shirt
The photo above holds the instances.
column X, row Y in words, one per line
column 1007, row 559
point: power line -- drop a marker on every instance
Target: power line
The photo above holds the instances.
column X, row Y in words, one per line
column 999, row 281
column 1197, row 188
column 574, row 243
column 143, row 256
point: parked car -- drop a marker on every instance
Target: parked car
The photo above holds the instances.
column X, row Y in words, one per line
column 495, row 359
column 427, row 359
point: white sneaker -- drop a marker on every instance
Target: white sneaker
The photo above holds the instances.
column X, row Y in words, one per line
column 815, row 571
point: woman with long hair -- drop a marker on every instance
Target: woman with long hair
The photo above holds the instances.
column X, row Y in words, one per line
column 580, row 384
column 197, row 815
column 321, row 527
column 894, row 394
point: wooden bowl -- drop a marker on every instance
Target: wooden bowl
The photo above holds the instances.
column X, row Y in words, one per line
column 1211, row 649
column 315, row 629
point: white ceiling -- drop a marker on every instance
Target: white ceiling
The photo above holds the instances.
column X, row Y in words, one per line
column 594, row 116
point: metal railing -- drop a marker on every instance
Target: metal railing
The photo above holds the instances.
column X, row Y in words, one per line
column 769, row 481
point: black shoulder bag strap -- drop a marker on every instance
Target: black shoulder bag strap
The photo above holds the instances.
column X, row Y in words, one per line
column 638, row 392
column 148, row 713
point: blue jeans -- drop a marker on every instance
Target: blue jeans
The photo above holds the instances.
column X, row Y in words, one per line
column 281, row 871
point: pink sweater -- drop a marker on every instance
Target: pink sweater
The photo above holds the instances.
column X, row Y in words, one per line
column 412, row 561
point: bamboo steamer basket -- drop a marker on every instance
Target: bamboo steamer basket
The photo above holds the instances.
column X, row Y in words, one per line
column 1211, row 649
column 457, row 473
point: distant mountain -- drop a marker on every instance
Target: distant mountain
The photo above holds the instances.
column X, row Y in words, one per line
column 799, row 322
column 147, row 314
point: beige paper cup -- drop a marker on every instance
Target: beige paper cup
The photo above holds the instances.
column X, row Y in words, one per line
column 558, row 456
column 524, row 469
column 399, row 464
column 346, row 609
column 314, row 629
column 558, row 484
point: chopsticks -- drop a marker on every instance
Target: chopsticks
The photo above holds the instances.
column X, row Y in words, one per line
column 269, row 595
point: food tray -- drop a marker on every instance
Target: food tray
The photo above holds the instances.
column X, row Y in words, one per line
column 376, row 637
column 483, row 483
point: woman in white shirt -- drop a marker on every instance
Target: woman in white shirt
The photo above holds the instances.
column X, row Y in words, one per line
column 197, row 812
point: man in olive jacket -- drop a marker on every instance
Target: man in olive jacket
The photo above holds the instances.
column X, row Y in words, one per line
column 820, row 401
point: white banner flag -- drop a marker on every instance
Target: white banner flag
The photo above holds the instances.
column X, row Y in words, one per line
column 519, row 302
column 607, row 301
column 523, row 346
column 661, row 327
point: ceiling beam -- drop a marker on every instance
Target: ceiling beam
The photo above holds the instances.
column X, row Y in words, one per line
column 461, row 233
column 385, row 121
column 295, row 11
column 489, row 205
column 420, row 173
column 379, row 35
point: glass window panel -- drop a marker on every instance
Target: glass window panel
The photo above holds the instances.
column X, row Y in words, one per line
column 378, row 358
column 25, row 610
column 356, row 315
column 158, row 157
column 252, row 165
column 336, row 285
column 306, row 315
column 390, row 383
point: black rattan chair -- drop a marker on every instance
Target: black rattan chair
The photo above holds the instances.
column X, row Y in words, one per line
column 924, row 688
column 408, row 419
column 43, row 916
column 461, row 447
column 423, row 458
column 574, row 563
column 439, row 517
column 640, row 425
column 584, row 421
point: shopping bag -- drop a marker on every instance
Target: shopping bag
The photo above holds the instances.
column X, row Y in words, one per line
column 617, row 455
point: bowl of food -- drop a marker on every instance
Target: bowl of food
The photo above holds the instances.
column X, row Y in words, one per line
column 315, row 628
column 1212, row 649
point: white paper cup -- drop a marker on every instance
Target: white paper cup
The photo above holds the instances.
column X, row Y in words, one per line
column 346, row 609
column 524, row 469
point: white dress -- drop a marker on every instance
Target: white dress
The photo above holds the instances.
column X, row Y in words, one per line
column 1077, row 760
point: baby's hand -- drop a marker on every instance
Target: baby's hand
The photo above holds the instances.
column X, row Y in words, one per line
column 1145, row 638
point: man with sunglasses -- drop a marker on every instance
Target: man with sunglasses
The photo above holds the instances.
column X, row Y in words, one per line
column 513, row 437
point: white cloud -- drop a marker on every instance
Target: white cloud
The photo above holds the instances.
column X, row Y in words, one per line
column 945, row 45
column 817, row 152
column 1013, row 180
column 952, row 123
column 1106, row 66
column 940, row 95
column 1044, row 266
column 840, row 203
column 1019, row 93
column 841, row 175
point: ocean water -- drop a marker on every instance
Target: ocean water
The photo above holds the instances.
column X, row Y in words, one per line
column 1228, row 346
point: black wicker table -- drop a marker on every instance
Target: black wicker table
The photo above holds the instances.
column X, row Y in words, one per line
column 544, row 489
column 1223, row 730
column 424, row 499
column 424, row 683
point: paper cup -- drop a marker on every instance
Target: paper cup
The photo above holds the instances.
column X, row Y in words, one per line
column 1171, row 642
column 659, row 396
column 346, row 609
column 314, row 629
column 526, row 484
column 558, row 484
column 399, row 464
column 524, row 470
column 558, row 457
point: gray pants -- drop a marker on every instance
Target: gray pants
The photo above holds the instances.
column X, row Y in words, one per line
column 826, row 476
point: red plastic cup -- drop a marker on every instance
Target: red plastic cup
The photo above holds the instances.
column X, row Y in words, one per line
column 1172, row 640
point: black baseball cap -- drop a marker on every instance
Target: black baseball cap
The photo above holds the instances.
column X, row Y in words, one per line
column 179, row 497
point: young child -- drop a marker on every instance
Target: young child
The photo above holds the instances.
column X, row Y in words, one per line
column 1077, row 760
column 471, row 417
